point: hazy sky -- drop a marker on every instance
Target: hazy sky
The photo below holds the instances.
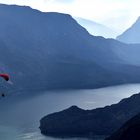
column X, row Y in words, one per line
column 118, row 14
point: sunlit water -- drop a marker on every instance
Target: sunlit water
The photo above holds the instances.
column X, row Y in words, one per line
column 19, row 116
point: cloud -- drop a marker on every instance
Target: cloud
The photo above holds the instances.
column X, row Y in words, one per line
column 64, row 1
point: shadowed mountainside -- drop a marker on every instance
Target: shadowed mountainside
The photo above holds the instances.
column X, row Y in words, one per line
column 51, row 50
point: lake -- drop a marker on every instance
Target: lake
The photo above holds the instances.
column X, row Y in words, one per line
column 20, row 114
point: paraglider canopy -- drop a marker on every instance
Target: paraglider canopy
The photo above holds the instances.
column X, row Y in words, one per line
column 4, row 76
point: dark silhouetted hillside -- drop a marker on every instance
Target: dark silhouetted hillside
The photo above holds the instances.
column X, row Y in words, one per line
column 129, row 131
column 101, row 121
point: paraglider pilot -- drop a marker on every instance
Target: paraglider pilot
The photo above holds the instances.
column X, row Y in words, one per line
column 5, row 77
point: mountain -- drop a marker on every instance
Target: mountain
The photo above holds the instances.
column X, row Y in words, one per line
column 131, row 35
column 95, row 28
column 129, row 131
column 101, row 121
column 51, row 51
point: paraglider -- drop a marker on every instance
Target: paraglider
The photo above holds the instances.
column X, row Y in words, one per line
column 6, row 78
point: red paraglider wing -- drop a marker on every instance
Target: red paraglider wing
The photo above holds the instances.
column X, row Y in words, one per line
column 5, row 76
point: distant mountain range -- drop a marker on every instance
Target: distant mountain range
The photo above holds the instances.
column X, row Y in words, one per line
column 129, row 131
column 96, row 29
column 51, row 50
column 101, row 121
column 131, row 35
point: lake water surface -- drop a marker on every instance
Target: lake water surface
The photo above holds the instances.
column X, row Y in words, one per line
column 20, row 115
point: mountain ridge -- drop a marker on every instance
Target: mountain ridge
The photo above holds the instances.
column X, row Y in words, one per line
column 95, row 28
column 131, row 35
column 52, row 51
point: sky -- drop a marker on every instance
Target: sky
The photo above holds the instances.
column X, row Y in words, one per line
column 116, row 14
